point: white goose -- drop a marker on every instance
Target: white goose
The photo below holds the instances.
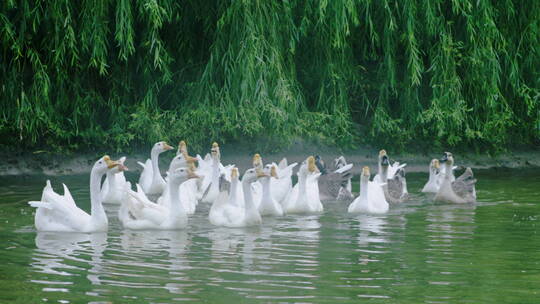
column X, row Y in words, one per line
column 395, row 185
column 282, row 184
column 228, row 211
column 460, row 190
column 151, row 180
column 432, row 185
column 268, row 205
column 112, row 190
column 60, row 213
column 139, row 213
column 392, row 168
column 369, row 200
column 188, row 189
column 211, row 193
column 304, row 197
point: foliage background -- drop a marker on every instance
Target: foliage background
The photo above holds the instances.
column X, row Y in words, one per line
column 409, row 73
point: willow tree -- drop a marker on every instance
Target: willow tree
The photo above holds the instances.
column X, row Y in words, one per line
column 101, row 73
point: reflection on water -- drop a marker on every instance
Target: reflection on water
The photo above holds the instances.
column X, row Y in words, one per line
column 60, row 254
column 420, row 252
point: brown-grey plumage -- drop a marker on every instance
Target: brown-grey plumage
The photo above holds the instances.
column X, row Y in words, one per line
column 224, row 184
column 395, row 188
column 340, row 162
column 331, row 183
column 464, row 186
column 460, row 190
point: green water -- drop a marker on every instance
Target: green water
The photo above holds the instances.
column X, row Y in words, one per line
column 420, row 252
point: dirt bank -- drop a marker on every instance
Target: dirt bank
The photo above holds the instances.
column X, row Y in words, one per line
column 29, row 163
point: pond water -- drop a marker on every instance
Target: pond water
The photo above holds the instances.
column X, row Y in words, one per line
column 420, row 252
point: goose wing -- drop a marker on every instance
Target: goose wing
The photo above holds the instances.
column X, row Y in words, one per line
column 330, row 184
column 464, row 186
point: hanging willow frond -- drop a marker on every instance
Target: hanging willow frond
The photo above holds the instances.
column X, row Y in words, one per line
column 442, row 73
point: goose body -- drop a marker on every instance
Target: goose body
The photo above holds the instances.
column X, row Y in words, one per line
column 333, row 185
column 212, row 191
column 60, row 213
column 395, row 184
column 371, row 198
column 112, row 190
column 228, row 209
column 345, row 192
column 151, row 181
column 452, row 190
column 139, row 213
column 282, row 183
column 269, row 205
column 304, row 197
column 189, row 190
column 432, row 185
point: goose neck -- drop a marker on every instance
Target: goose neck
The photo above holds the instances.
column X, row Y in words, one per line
column 97, row 210
column 302, row 183
column 174, row 194
column 234, row 190
column 363, row 188
column 154, row 157
column 384, row 173
column 111, row 180
column 248, row 196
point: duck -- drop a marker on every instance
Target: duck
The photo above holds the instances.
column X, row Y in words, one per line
column 269, row 206
column 395, row 188
column 112, row 190
column 369, row 200
column 459, row 191
column 304, row 197
column 332, row 185
column 230, row 210
column 151, row 180
column 139, row 213
column 432, row 185
column 60, row 213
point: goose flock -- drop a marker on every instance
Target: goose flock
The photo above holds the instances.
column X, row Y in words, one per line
column 263, row 190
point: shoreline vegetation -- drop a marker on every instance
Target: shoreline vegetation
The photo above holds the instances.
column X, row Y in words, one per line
column 408, row 75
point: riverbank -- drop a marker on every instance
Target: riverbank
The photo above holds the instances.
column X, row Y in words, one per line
column 40, row 162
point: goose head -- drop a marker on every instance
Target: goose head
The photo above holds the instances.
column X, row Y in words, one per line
column 215, row 151
column 320, row 164
column 161, row 147
column 257, row 161
column 182, row 148
column 182, row 160
column 234, row 174
column 180, row 175
column 340, row 162
column 434, row 166
column 104, row 164
column 383, row 158
column 364, row 177
column 271, row 170
column 121, row 167
column 251, row 175
column 308, row 167
column 448, row 159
